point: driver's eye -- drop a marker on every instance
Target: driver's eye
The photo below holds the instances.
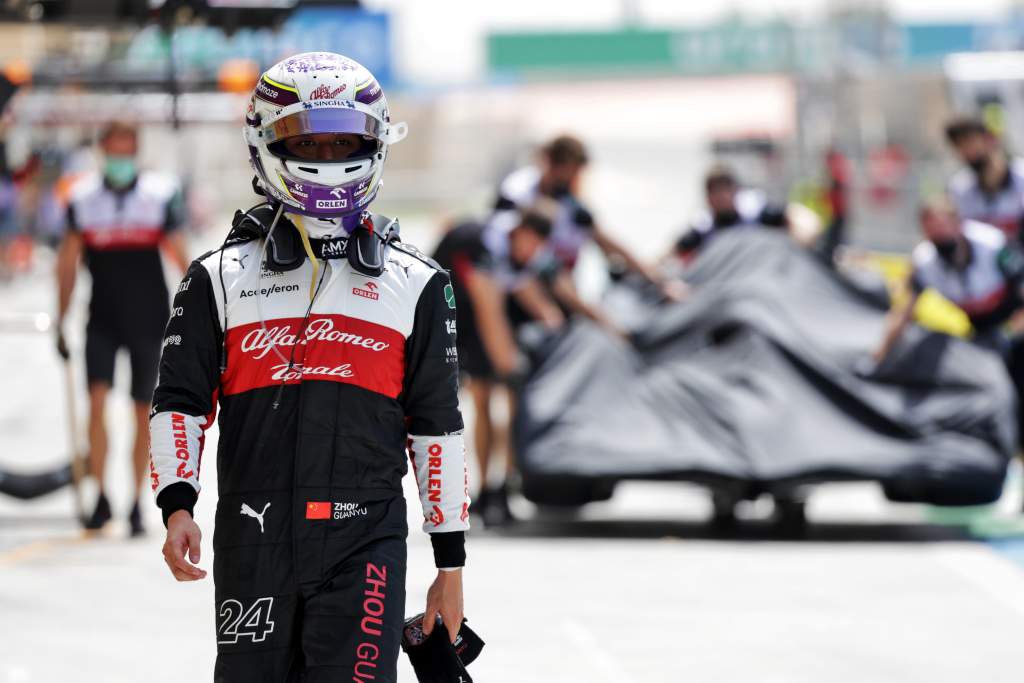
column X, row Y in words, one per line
column 306, row 143
column 341, row 141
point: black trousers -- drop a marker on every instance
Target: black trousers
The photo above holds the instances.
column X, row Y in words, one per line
column 346, row 629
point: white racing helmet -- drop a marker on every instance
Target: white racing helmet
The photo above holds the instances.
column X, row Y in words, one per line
column 313, row 93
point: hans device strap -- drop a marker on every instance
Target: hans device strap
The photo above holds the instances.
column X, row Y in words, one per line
column 365, row 248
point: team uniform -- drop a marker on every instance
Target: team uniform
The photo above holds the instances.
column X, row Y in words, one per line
column 987, row 289
column 461, row 250
column 330, row 351
column 572, row 227
column 122, row 231
column 314, row 420
column 1003, row 208
column 752, row 211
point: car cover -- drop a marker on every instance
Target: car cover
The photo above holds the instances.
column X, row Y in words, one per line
column 762, row 380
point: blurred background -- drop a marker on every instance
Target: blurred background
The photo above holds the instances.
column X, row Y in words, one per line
column 837, row 106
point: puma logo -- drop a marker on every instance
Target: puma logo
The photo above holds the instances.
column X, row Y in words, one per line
column 241, row 261
column 258, row 516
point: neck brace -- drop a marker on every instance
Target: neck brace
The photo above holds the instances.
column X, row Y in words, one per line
column 364, row 246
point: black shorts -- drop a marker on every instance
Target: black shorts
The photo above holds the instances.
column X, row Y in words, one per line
column 473, row 358
column 102, row 343
column 348, row 629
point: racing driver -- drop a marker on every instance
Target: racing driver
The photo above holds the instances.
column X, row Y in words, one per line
column 329, row 347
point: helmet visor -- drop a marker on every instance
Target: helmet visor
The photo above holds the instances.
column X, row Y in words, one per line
column 327, row 134
column 325, row 120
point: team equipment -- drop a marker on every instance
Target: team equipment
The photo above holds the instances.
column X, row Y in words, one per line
column 320, row 93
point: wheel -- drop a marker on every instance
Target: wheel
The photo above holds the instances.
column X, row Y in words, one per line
column 724, row 506
column 790, row 515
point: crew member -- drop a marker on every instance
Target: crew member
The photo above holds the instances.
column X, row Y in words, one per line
column 729, row 208
column 557, row 176
column 117, row 221
column 497, row 292
column 990, row 187
column 971, row 264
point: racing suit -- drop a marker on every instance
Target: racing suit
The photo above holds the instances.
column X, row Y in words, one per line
column 315, row 419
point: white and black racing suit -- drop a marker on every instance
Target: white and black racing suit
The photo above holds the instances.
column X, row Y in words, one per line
column 317, row 417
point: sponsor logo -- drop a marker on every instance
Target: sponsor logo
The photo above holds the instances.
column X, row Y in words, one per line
column 449, row 296
column 369, row 293
column 180, row 434
column 337, row 192
column 328, row 104
column 266, row 273
column 258, row 516
column 287, row 373
column 238, row 622
column 372, row 623
column 331, row 203
column 321, row 329
column 173, row 340
column 177, row 311
column 263, row 89
column 334, row 247
column 241, row 261
column 183, row 287
column 451, row 354
column 449, row 326
column 268, row 291
column 434, row 461
column 325, row 92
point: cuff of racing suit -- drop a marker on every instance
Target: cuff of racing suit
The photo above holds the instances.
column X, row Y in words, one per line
column 449, row 549
column 178, row 496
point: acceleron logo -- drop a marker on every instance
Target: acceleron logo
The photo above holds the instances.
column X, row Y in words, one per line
column 369, row 293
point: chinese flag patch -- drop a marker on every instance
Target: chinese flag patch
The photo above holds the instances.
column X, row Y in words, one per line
column 318, row 510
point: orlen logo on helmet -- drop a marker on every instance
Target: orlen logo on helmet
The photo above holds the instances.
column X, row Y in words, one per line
column 332, row 203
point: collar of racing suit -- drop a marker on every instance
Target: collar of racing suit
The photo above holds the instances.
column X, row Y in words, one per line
column 326, row 228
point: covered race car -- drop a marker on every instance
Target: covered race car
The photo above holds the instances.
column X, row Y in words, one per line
column 756, row 385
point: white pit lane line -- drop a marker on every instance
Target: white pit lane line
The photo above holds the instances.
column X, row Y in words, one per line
column 604, row 666
column 987, row 570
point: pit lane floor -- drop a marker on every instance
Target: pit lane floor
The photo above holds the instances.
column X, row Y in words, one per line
column 634, row 590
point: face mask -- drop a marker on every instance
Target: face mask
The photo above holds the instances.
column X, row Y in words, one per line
column 559, row 190
column 724, row 219
column 120, row 171
column 946, row 248
column 978, row 165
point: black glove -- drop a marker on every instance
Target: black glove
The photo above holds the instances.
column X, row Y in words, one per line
column 434, row 658
column 62, row 345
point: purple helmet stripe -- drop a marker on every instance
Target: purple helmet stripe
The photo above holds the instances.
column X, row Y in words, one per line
column 275, row 94
column 369, row 92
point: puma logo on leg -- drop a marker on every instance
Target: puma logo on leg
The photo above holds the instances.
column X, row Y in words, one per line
column 258, row 516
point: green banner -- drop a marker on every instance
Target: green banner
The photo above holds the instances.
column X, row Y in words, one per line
column 725, row 48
